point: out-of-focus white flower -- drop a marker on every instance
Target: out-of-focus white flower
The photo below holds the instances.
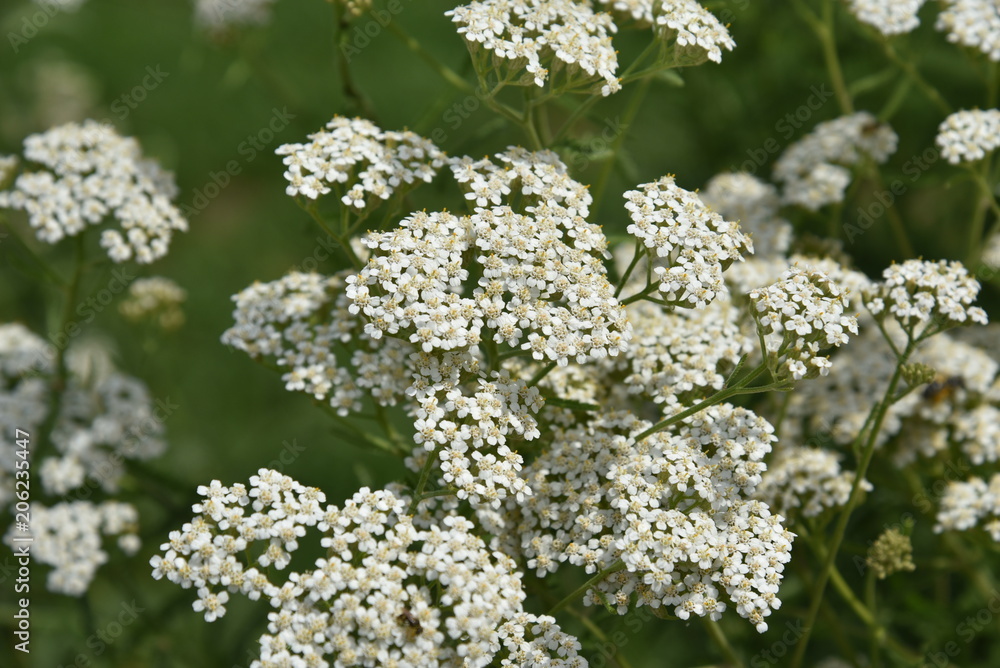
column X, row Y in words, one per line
column 806, row 479
column 155, row 298
column 754, row 205
column 969, row 135
column 813, row 170
column 89, row 174
column 972, row 23
column 889, row 17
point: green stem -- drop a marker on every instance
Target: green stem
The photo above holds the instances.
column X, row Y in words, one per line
column 718, row 397
column 630, row 113
column 628, row 272
column 599, row 633
column 60, row 379
column 910, row 70
column 868, row 451
column 341, row 36
column 541, row 373
column 443, row 70
column 720, row 639
column 987, row 201
column 425, row 473
column 823, row 29
column 586, row 586
column 344, row 244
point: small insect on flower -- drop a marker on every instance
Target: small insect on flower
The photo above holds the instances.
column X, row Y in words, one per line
column 941, row 389
column 410, row 623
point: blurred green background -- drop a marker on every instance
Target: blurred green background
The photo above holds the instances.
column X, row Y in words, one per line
column 234, row 416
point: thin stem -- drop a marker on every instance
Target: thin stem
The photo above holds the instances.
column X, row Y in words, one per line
column 541, row 373
column 443, row 70
column 425, row 473
column 342, row 26
column 720, row 639
column 987, row 201
column 910, row 70
column 599, row 633
column 628, row 272
column 823, row 29
column 589, row 584
column 630, row 113
column 895, row 222
column 344, row 244
column 868, row 451
column 718, row 397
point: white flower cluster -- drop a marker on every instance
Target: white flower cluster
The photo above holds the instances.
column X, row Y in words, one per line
column 218, row 15
column 391, row 591
column 814, row 170
column 972, row 23
column 68, row 537
column 956, row 408
column 693, row 245
column 754, row 205
column 155, row 298
column 300, row 323
column 543, row 286
column 936, row 294
column 758, row 272
column 673, row 508
column 544, row 38
column 889, row 17
column 691, row 31
column 101, row 424
column 468, row 430
column 361, row 161
column 89, row 173
column 806, row 479
column 799, row 316
column 966, row 504
column 969, row 135
column 684, row 354
column 639, row 10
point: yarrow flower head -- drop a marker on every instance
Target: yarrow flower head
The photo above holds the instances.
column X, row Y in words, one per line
column 674, row 508
column 966, row 136
column 543, row 286
column 88, row 174
column 797, row 317
column 889, row 17
column 968, row 504
column 544, row 38
column 807, row 480
column 691, row 32
column 360, row 161
column 692, row 244
column 157, row 299
column 972, row 23
column 419, row 591
column 937, row 295
column 815, row 171
column 102, row 423
column 753, row 204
